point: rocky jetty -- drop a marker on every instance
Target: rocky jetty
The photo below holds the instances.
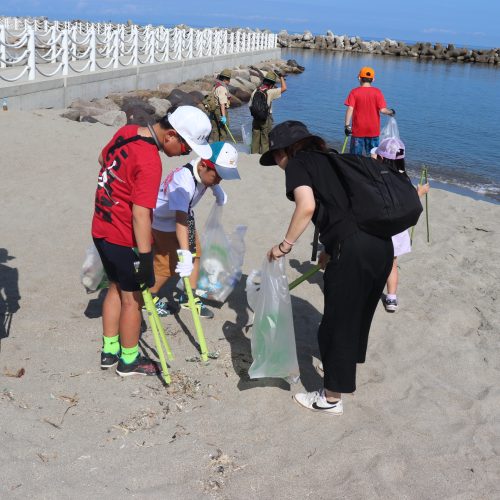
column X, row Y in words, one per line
column 423, row 50
column 146, row 106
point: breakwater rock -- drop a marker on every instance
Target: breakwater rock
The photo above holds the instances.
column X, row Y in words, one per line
column 423, row 50
column 146, row 106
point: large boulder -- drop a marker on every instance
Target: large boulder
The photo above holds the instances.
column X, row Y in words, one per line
column 197, row 96
column 105, row 103
column 160, row 105
column 113, row 118
column 307, row 36
column 137, row 115
column 71, row 114
column 180, row 98
column 242, row 95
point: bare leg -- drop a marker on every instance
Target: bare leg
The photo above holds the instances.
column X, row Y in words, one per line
column 130, row 318
column 332, row 396
column 159, row 282
column 111, row 310
column 392, row 280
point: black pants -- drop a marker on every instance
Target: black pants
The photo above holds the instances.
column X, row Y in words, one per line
column 353, row 283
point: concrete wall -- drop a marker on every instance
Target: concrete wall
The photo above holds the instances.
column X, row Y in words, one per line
column 59, row 92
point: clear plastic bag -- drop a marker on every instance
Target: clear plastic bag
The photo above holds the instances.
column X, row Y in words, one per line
column 246, row 135
column 390, row 130
column 221, row 258
column 92, row 275
column 273, row 337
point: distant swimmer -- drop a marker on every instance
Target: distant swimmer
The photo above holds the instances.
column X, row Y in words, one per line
column 364, row 105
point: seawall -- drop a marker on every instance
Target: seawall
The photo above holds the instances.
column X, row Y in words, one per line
column 59, row 92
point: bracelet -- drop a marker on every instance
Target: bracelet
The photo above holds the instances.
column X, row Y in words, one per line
column 288, row 242
column 282, row 251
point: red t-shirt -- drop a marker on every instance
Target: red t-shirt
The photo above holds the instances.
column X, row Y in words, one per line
column 367, row 103
column 130, row 176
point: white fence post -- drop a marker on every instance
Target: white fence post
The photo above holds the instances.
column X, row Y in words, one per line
column 116, row 48
column 135, row 48
column 65, row 52
column 3, row 50
column 93, row 49
column 31, row 54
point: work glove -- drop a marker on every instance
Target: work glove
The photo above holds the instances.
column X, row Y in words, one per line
column 223, row 120
column 220, row 195
column 184, row 267
column 144, row 273
column 393, row 112
column 347, row 130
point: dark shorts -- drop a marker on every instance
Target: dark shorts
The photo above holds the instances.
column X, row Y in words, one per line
column 118, row 262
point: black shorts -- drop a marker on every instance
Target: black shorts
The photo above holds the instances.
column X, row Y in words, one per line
column 118, row 262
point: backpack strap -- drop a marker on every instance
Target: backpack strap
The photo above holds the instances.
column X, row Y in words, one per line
column 120, row 142
column 319, row 216
column 190, row 218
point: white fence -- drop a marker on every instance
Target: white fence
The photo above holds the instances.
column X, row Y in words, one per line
column 32, row 47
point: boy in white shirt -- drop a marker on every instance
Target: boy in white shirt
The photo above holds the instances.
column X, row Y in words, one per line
column 173, row 219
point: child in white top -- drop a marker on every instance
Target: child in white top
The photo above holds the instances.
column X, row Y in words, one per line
column 173, row 218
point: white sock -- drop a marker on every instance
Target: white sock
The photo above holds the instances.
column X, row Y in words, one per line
column 391, row 296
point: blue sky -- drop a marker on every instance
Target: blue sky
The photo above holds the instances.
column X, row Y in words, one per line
column 460, row 21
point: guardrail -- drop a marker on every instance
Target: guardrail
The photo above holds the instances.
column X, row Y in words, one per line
column 56, row 48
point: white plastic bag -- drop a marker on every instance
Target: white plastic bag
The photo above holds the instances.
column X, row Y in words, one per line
column 221, row 258
column 390, row 130
column 246, row 134
column 92, row 274
column 273, row 338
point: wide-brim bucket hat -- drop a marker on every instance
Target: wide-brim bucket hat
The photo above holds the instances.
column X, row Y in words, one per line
column 391, row 148
column 194, row 126
column 283, row 135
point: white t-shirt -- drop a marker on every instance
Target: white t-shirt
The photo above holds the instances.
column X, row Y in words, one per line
column 176, row 192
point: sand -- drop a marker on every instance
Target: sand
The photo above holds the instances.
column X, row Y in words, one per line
column 424, row 422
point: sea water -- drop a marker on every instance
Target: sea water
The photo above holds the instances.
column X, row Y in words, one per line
column 448, row 113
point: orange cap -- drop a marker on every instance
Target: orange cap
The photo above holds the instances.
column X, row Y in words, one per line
column 366, row 72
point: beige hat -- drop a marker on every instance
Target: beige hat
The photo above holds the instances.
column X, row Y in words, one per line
column 226, row 73
column 271, row 76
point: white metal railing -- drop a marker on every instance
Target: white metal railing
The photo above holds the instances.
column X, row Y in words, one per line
column 50, row 48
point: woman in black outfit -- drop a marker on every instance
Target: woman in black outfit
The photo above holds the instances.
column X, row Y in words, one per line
column 356, row 263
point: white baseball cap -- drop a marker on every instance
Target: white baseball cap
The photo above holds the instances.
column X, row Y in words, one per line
column 391, row 148
column 225, row 159
column 193, row 125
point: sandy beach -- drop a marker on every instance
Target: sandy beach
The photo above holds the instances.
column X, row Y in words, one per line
column 424, row 422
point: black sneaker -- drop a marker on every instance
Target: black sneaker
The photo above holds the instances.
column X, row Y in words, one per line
column 109, row 360
column 141, row 366
column 203, row 310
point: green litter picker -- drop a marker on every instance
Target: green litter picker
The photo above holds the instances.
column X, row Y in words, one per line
column 195, row 306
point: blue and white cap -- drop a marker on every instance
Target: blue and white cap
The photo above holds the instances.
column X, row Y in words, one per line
column 225, row 159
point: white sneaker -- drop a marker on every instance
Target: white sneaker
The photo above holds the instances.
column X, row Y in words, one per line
column 316, row 401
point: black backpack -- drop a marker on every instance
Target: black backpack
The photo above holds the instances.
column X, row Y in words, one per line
column 259, row 108
column 383, row 200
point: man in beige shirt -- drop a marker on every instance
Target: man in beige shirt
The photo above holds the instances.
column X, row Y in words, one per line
column 220, row 116
column 262, row 127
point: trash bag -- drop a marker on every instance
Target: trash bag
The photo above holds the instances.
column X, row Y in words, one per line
column 246, row 135
column 390, row 130
column 252, row 288
column 273, row 338
column 221, row 259
column 92, row 275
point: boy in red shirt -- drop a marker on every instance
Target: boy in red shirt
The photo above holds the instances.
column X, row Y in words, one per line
column 364, row 105
column 126, row 193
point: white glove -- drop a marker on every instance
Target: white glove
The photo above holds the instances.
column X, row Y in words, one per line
column 184, row 267
column 220, row 195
